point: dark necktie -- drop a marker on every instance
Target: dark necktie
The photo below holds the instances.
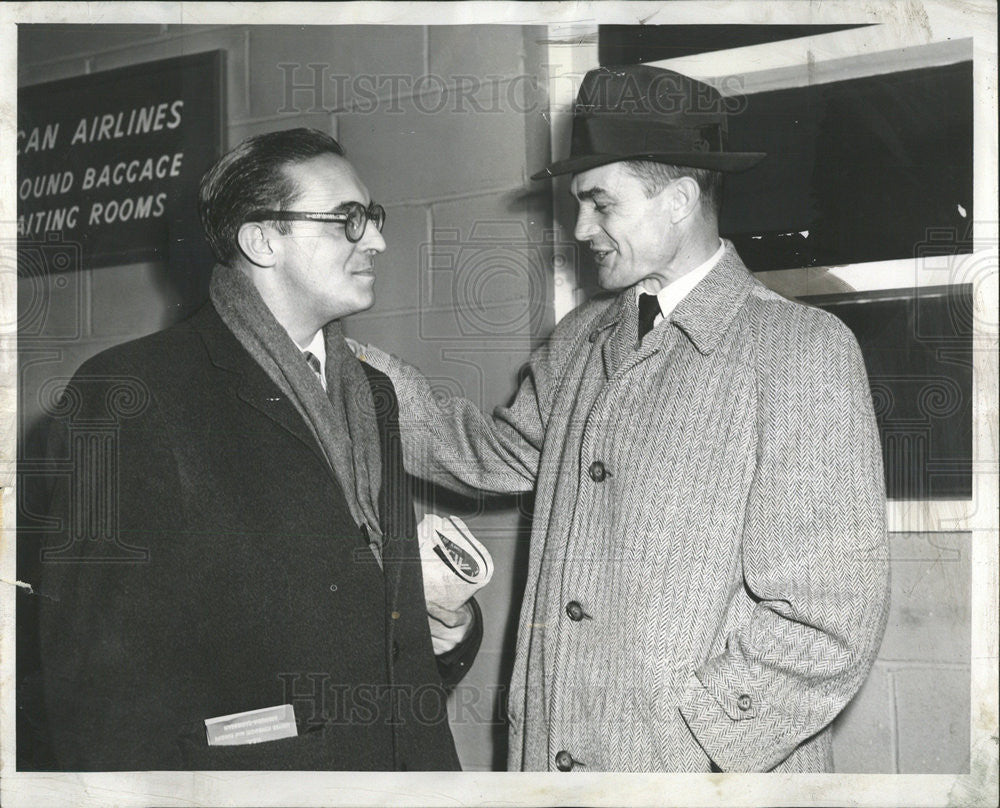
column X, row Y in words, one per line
column 313, row 361
column 649, row 307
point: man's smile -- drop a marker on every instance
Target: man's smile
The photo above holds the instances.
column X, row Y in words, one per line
column 602, row 253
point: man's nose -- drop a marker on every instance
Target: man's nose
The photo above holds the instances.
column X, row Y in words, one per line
column 373, row 239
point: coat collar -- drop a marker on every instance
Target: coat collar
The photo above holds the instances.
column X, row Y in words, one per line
column 705, row 313
column 249, row 380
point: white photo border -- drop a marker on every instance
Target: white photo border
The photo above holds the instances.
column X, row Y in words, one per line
column 904, row 23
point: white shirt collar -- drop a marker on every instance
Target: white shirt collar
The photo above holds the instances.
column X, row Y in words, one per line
column 317, row 347
column 672, row 294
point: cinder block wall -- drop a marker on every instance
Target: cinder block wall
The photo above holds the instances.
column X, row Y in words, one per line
column 912, row 715
column 444, row 125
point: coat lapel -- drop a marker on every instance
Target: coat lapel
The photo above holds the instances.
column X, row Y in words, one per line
column 609, row 329
column 704, row 316
column 707, row 311
column 250, row 382
column 621, row 350
column 395, row 507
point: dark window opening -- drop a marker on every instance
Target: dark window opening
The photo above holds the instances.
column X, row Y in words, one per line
column 917, row 345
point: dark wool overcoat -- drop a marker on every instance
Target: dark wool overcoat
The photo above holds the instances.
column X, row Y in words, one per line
column 202, row 561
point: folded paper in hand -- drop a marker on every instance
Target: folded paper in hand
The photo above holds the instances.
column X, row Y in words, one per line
column 455, row 564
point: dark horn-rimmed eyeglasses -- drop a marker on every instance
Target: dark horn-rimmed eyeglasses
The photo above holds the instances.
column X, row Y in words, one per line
column 353, row 215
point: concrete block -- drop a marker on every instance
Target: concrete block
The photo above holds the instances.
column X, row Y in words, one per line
column 392, row 332
column 932, row 719
column 465, row 378
column 39, row 42
column 241, row 130
column 538, row 144
column 930, row 608
column 862, row 733
column 481, row 51
column 428, row 147
column 355, row 61
column 231, row 40
column 491, row 263
column 51, row 306
column 538, row 153
column 133, row 300
column 499, row 215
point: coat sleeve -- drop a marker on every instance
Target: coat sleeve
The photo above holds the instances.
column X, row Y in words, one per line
column 814, row 554
column 452, row 443
column 453, row 664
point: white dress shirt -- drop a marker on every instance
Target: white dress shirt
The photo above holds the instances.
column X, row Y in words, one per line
column 317, row 347
column 673, row 293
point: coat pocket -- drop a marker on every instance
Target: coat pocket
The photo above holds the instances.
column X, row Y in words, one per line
column 307, row 752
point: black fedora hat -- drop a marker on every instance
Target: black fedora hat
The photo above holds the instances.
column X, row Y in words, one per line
column 640, row 112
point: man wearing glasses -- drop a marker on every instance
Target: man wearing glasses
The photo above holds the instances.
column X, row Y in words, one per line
column 249, row 595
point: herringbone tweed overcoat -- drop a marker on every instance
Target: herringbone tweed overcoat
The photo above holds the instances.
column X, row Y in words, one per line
column 708, row 574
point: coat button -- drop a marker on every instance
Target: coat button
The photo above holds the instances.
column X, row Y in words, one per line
column 593, row 336
column 598, row 472
column 744, row 702
column 564, row 761
column 575, row 611
column 395, row 650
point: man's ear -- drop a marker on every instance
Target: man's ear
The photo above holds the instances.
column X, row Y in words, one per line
column 255, row 244
column 684, row 198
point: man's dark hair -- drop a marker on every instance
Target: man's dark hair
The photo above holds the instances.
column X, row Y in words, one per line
column 656, row 176
column 252, row 177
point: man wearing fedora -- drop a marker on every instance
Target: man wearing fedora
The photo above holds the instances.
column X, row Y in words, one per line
column 708, row 580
